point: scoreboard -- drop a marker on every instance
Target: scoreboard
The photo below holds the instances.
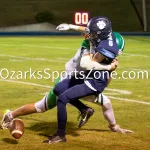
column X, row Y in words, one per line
column 81, row 18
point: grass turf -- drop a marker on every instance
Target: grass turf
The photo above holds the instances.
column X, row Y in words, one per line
column 38, row 53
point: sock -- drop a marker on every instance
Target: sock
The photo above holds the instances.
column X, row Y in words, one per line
column 79, row 105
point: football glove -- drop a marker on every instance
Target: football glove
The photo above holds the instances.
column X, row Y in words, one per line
column 7, row 118
column 63, row 27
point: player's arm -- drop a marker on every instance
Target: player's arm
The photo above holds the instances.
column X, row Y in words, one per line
column 65, row 27
column 88, row 63
column 77, row 28
column 115, row 61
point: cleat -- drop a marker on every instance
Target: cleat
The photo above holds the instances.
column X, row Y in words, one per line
column 7, row 118
column 85, row 115
column 55, row 139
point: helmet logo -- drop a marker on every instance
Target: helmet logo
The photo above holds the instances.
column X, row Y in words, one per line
column 101, row 25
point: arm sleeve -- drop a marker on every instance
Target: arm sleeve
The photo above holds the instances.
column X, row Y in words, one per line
column 88, row 64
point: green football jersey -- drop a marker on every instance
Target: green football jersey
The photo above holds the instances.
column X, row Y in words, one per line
column 85, row 44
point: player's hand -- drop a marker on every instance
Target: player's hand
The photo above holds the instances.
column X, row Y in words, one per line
column 114, row 64
column 63, row 27
column 117, row 128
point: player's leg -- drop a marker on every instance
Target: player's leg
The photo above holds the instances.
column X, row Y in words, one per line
column 85, row 111
column 108, row 113
column 110, row 117
column 71, row 94
column 47, row 102
column 66, row 84
column 107, row 110
column 10, row 115
column 50, row 100
column 22, row 111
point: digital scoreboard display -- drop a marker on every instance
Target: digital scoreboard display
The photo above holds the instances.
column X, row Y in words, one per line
column 81, row 18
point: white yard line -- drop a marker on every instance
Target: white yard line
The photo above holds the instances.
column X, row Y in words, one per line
column 49, row 87
column 15, row 60
column 129, row 100
column 63, row 48
column 60, row 58
column 36, row 46
column 135, row 55
column 29, row 58
column 138, row 69
column 27, row 83
column 119, row 91
column 111, row 93
column 44, row 59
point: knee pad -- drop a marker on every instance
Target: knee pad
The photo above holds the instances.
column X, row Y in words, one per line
column 41, row 106
column 102, row 99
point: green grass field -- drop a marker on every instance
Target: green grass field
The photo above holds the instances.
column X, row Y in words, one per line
column 38, row 53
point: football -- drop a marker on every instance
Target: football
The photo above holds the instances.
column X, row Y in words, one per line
column 17, row 128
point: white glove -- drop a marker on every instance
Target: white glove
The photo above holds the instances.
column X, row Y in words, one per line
column 63, row 27
column 7, row 118
column 117, row 128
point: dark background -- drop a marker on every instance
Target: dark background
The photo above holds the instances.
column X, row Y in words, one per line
column 121, row 12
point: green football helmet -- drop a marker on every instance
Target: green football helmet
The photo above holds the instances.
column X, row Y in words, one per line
column 120, row 41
